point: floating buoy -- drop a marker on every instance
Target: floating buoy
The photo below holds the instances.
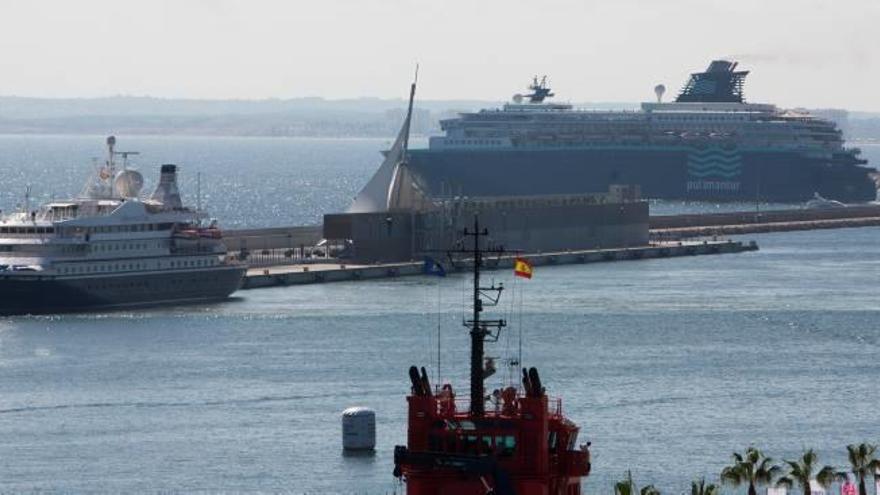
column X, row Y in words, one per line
column 359, row 429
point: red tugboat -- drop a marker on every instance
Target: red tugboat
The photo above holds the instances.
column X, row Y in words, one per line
column 522, row 445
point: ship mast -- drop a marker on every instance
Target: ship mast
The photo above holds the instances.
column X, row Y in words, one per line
column 481, row 329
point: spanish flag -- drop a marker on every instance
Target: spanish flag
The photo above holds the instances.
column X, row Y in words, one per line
column 522, row 268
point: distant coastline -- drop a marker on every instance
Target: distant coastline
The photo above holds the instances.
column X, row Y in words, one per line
column 299, row 117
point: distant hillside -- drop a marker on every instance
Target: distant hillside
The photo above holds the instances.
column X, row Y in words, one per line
column 361, row 117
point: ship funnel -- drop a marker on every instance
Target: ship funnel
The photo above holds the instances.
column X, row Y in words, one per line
column 166, row 192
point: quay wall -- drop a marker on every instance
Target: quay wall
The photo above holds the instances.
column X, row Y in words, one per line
column 311, row 274
column 535, row 224
column 743, row 222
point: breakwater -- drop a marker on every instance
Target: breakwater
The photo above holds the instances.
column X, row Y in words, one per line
column 715, row 224
column 325, row 271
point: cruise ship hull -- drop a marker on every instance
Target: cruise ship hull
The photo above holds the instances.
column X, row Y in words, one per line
column 681, row 173
column 41, row 294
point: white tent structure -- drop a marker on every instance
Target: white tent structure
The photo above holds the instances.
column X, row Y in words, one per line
column 393, row 186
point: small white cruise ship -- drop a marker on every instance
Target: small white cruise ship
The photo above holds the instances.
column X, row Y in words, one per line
column 110, row 247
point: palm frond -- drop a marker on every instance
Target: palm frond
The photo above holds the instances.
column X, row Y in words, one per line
column 853, row 456
column 649, row 490
column 732, row 475
column 626, row 486
column 699, row 487
column 828, row 475
column 785, row 482
column 809, row 458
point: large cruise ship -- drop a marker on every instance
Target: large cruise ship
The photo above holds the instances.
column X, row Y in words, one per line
column 110, row 248
column 709, row 144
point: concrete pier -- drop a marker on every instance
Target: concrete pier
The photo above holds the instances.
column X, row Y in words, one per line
column 321, row 272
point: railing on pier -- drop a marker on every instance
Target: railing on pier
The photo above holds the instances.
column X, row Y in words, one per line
column 259, row 258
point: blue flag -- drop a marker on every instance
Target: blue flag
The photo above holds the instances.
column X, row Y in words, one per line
column 433, row 268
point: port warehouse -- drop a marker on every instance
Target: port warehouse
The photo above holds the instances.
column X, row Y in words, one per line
column 297, row 239
column 528, row 224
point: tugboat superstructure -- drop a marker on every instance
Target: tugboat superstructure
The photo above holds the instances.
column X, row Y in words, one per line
column 109, row 248
column 523, row 445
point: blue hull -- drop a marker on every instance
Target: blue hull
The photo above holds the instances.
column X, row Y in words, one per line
column 713, row 173
column 36, row 294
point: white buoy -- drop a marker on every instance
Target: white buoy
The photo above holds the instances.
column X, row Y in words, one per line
column 358, row 428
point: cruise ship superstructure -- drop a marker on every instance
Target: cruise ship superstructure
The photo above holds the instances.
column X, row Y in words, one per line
column 708, row 144
column 110, row 248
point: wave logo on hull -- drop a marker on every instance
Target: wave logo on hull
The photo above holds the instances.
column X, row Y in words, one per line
column 714, row 162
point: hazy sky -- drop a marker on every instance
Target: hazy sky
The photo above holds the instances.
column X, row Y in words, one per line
column 801, row 52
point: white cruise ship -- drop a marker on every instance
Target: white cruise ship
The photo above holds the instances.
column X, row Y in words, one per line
column 112, row 248
column 709, row 144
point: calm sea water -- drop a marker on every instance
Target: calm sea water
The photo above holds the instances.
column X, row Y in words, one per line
column 669, row 365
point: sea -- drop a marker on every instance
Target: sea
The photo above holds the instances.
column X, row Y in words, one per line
column 668, row 365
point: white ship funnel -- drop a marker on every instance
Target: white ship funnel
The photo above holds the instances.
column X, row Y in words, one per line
column 166, row 192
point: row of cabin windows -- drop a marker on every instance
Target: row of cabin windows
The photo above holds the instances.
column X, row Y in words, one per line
column 104, row 268
column 193, row 263
column 701, row 119
column 117, row 247
column 501, row 445
column 27, row 230
column 116, row 267
column 128, row 228
column 88, row 230
column 473, row 141
column 113, row 229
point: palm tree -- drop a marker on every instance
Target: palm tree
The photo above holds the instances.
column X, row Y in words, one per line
column 753, row 469
column 628, row 487
column 800, row 472
column 700, row 488
column 863, row 463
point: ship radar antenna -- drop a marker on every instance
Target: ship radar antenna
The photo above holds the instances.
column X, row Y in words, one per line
column 109, row 173
column 659, row 90
column 540, row 90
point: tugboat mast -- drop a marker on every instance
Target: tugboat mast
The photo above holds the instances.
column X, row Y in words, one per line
column 480, row 329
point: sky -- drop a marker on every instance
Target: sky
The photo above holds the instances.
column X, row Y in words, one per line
column 809, row 53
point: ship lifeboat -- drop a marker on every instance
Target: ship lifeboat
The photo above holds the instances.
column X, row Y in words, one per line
column 210, row 233
column 187, row 234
